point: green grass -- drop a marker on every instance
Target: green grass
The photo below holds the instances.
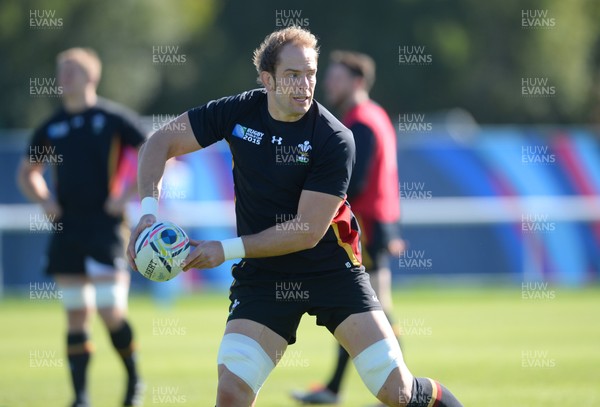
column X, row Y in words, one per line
column 490, row 346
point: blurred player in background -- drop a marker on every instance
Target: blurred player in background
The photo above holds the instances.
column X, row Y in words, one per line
column 85, row 142
column 299, row 241
column 373, row 191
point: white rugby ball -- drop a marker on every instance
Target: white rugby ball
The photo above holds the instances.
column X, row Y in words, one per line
column 160, row 249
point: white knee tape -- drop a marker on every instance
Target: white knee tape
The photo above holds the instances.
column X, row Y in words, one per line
column 111, row 295
column 245, row 358
column 78, row 297
column 375, row 363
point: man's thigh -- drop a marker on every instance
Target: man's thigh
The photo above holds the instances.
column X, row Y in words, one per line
column 359, row 331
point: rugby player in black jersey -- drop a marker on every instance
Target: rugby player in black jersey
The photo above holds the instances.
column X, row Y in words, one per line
column 373, row 191
column 298, row 239
column 85, row 143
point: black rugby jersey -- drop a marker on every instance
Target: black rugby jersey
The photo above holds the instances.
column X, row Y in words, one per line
column 85, row 151
column 273, row 162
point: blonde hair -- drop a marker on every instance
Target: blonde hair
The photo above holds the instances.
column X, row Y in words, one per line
column 86, row 58
column 266, row 56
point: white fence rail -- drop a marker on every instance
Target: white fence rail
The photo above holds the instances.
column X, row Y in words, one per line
column 434, row 211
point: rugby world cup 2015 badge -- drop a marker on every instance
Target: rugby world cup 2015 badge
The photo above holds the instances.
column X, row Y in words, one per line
column 248, row 134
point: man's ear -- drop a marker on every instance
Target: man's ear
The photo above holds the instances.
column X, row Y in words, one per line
column 359, row 83
column 267, row 80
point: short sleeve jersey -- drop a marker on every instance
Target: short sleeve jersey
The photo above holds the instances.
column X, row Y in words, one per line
column 85, row 150
column 273, row 162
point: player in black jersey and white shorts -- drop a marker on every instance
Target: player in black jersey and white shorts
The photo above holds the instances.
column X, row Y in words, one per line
column 85, row 144
column 298, row 239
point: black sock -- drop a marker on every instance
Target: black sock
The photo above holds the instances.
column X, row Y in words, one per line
column 424, row 390
column 122, row 340
column 336, row 381
column 78, row 352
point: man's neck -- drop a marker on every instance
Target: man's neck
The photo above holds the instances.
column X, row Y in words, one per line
column 355, row 99
column 80, row 102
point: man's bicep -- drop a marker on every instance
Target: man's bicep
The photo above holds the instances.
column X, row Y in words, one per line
column 178, row 136
column 27, row 165
column 318, row 209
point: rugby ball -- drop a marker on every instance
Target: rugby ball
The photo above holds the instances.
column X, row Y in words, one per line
column 159, row 251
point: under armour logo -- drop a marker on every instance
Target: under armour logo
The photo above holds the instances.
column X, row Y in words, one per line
column 235, row 304
column 276, row 140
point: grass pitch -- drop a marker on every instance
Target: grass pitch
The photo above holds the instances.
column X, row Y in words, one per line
column 492, row 347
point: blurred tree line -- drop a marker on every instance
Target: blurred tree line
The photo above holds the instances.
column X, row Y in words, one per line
column 505, row 61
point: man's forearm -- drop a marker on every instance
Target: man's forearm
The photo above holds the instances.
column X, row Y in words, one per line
column 151, row 166
column 316, row 211
column 33, row 186
column 283, row 238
